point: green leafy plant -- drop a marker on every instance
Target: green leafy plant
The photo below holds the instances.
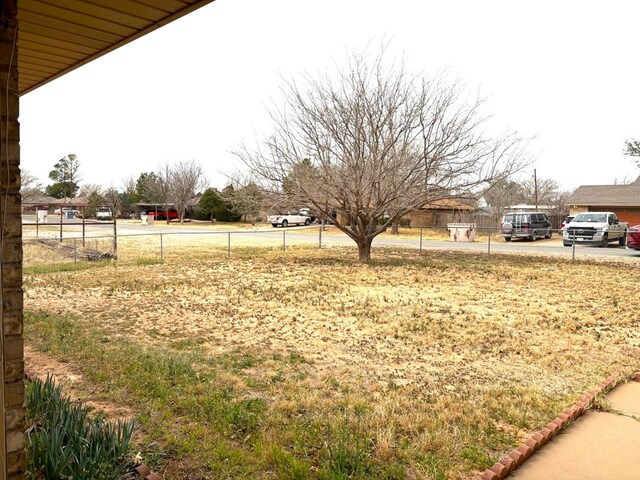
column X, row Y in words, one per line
column 65, row 441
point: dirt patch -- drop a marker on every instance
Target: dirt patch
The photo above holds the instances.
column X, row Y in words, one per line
column 41, row 365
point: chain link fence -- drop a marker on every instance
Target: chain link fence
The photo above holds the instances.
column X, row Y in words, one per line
column 77, row 243
column 58, row 239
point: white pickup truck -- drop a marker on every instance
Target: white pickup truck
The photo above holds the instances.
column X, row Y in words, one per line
column 294, row 218
column 598, row 228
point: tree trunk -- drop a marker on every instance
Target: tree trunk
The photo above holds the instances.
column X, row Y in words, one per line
column 394, row 228
column 364, row 249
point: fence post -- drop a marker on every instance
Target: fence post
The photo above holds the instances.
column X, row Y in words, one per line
column 229, row 244
column 75, row 252
column 573, row 248
column 37, row 223
column 320, row 236
column 161, row 249
column 83, row 231
column 60, row 224
column 115, row 239
column 421, row 239
column 489, row 244
column 284, row 240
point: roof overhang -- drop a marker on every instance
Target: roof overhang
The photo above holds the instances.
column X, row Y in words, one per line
column 58, row 36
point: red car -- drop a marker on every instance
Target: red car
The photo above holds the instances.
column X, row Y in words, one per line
column 160, row 214
column 633, row 237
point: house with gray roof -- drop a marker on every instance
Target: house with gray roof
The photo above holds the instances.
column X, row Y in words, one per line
column 623, row 200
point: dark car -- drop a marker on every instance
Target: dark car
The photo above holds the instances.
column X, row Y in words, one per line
column 633, row 237
column 527, row 225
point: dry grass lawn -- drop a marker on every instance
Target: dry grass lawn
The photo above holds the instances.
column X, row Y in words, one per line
column 410, row 366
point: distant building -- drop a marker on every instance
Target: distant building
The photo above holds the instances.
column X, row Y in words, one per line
column 623, row 200
column 441, row 212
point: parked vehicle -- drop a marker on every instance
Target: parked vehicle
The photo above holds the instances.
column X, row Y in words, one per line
column 597, row 228
column 161, row 214
column 309, row 213
column 104, row 213
column 633, row 237
column 566, row 221
column 65, row 212
column 292, row 218
column 527, row 225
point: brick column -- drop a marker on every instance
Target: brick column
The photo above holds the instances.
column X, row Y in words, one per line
column 12, row 391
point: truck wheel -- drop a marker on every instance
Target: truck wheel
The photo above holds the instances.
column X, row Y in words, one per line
column 307, row 221
column 549, row 234
column 285, row 223
column 274, row 225
column 507, row 239
column 623, row 240
column 605, row 241
column 567, row 244
column 534, row 236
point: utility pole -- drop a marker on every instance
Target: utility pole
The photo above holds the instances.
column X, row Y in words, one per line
column 535, row 188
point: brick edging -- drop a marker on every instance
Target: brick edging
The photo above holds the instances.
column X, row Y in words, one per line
column 142, row 470
column 503, row 468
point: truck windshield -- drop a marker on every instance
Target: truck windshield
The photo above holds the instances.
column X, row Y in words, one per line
column 591, row 217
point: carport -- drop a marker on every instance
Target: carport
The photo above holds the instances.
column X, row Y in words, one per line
column 40, row 41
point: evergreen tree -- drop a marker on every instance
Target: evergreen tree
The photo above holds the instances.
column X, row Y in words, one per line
column 65, row 175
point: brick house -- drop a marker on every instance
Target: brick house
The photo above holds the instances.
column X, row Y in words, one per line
column 623, row 200
column 440, row 212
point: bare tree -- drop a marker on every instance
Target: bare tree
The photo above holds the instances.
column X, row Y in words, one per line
column 632, row 149
column 560, row 206
column 89, row 188
column 245, row 197
column 547, row 193
column 112, row 200
column 185, row 179
column 30, row 186
column 380, row 143
column 162, row 186
column 501, row 195
column 626, row 180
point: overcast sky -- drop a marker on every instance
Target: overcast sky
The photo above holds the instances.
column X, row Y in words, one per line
column 564, row 72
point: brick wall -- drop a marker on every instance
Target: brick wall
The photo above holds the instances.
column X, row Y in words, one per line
column 421, row 217
column 575, row 209
column 12, row 438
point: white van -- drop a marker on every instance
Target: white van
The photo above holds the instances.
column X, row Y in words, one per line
column 104, row 213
